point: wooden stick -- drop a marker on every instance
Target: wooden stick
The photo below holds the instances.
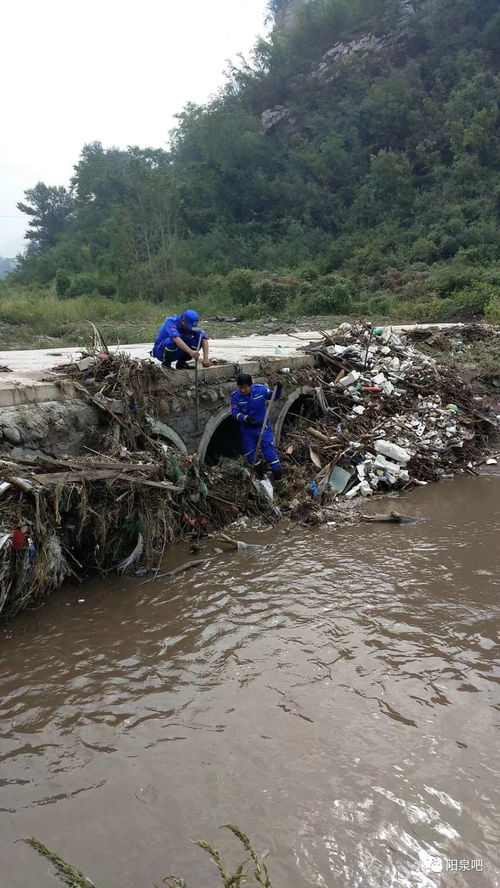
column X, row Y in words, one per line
column 187, row 565
column 263, row 428
column 196, row 389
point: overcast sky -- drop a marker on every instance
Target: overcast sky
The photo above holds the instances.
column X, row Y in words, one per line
column 113, row 71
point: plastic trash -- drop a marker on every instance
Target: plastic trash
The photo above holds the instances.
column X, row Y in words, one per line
column 266, row 487
column 339, row 479
column 313, row 487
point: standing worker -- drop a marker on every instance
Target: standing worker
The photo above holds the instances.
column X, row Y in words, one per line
column 248, row 406
column 178, row 340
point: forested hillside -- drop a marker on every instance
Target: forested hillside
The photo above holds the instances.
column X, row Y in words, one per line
column 324, row 178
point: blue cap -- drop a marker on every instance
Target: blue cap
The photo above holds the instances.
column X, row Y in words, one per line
column 192, row 318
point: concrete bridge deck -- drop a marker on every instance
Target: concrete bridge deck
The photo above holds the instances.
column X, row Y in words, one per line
column 29, row 381
column 38, row 409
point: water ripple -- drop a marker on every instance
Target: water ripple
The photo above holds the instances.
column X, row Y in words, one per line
column 337, row 696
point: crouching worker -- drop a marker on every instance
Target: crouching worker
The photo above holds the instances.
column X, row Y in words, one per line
column 248, row 406
column 179, row 340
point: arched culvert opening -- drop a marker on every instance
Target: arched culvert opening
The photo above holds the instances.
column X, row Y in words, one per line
column 165, row 433
column 221, row 438
column 300, row 403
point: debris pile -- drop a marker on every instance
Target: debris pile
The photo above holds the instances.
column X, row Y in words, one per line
column 117, row 506
column 392, row 418
column 68, row 518
column 384, row 417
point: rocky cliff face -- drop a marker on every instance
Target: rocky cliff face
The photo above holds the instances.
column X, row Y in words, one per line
column 326, row 69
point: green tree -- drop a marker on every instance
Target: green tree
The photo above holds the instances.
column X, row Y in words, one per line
column 51, row 211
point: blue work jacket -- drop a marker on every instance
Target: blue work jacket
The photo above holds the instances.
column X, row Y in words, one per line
column 252, row 405
column 172, row 328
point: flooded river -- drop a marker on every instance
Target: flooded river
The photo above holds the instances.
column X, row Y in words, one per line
column 336, row 695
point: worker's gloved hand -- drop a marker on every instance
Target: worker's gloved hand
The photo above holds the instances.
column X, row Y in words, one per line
column 279, row 389
column 251, row 423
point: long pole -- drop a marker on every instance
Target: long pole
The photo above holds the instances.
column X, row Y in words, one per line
column 266, row 417
column 369, row 339
column 197, row 399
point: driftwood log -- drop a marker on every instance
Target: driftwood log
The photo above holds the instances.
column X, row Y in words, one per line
column 392, row 518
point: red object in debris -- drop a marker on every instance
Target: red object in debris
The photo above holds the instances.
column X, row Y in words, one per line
column 103, row 356
column 371, row 388
column 18, row 540
column 195, row 522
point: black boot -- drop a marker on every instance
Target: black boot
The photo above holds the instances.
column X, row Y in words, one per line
column 183, row 365
column 260, row 470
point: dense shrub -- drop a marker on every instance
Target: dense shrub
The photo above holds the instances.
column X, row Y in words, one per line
column 63, row 282
column 240, row 286
column 472, row 302
column 85, row 284
column 492, row 311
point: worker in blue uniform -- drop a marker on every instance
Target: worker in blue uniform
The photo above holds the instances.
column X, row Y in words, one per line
column 248, row 406
column 179, row 340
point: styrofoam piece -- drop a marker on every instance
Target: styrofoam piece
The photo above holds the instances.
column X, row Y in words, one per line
column 392, row 451
column 391, row 468
column 353, row 491
column 350, row 379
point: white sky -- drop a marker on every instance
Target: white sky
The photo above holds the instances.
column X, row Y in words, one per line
column 113, row 71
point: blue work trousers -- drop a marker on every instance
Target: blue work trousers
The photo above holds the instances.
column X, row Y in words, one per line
column 171, row 352
column 269, row 452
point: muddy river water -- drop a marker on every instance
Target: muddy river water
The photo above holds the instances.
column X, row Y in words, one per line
column 336, row 695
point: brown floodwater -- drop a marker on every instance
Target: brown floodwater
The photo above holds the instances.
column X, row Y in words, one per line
column 336, row 695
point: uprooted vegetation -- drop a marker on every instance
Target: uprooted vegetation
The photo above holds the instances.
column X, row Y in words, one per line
column 380, row 416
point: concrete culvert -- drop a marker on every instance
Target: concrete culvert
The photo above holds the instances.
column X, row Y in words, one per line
column 301, row 403
column 166, row 434
column 225, row 441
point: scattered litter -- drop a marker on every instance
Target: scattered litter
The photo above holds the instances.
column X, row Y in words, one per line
column 389, row 418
